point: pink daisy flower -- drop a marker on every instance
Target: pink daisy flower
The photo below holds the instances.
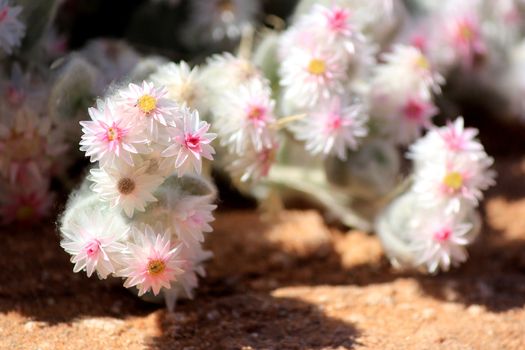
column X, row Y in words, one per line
column 332, row 24
column 109, row 137
column 191, row 218
column 152, row 262
column 148, row 104
column 254, row 165
column 246, row 116
column 440, row 242
column 456, row 138
column 96, row 242
column 309, row 76
column 416, row 114
column 464, row 35
column 190, row 142
column 333, row 128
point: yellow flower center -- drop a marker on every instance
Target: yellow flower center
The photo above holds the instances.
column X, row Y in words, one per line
column 453, row 180
column 466, row 32
column 147, row 103
column 126, row 185
column 422, row 62
column 317, row 66
column 112, row 134
column 24, row 213
column 156, row 266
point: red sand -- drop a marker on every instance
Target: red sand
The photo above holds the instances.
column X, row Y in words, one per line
column 292, row 284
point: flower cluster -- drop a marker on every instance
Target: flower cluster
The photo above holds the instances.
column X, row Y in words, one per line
column 401, row 93
column 451, row 169
column 31, row 147
column 322, row 57
column 143, row 214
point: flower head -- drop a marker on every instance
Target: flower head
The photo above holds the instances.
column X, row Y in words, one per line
column 464, row 36
column 147, row 104
column 451, row 167
column 447, row 142
column 110, row 136
column 246, row 115
column 331, row 26
column 311, row 75
column 126, row 187
column 252, row 164
column 183, row 84
column 151, row 261
column 439, row 242
column 96, row 242
column 454, row 183
column 189, row 143
column 333, row 128
column 191, row 216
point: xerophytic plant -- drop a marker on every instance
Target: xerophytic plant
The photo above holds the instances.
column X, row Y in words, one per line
column 142, row 211
column 323, row 109
column 435, row 219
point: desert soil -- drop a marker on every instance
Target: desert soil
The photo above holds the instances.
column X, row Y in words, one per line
column 294, row 283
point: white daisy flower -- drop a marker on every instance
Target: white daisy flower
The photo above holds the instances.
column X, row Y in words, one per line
column 252, row 164
column 12, row 30
column 453, row 183
column 405, row 69
column 110, row 136
column 225, row 71
column 152, row 261
column 332, row 26
column 447, row 142
column 401, row 94
column 461, row 40
column 189, row 143
column 127, row 188
column 407, row 123
column 191, row 217
column 246, row 115
column 96, row 242
column 439, row 242
column 184, row 85
column 333, row 128
column 147, row 104
column 309, row 76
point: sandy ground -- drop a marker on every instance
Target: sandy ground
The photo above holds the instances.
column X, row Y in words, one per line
column 292, row 284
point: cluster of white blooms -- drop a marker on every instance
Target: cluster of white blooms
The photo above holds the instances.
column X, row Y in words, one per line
column 12, row 30
column 143, row 214
column 243, row 115
column 401, row 93
column 323, row 56
column 451, row 169
column 477, row 45
column 31, row 151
